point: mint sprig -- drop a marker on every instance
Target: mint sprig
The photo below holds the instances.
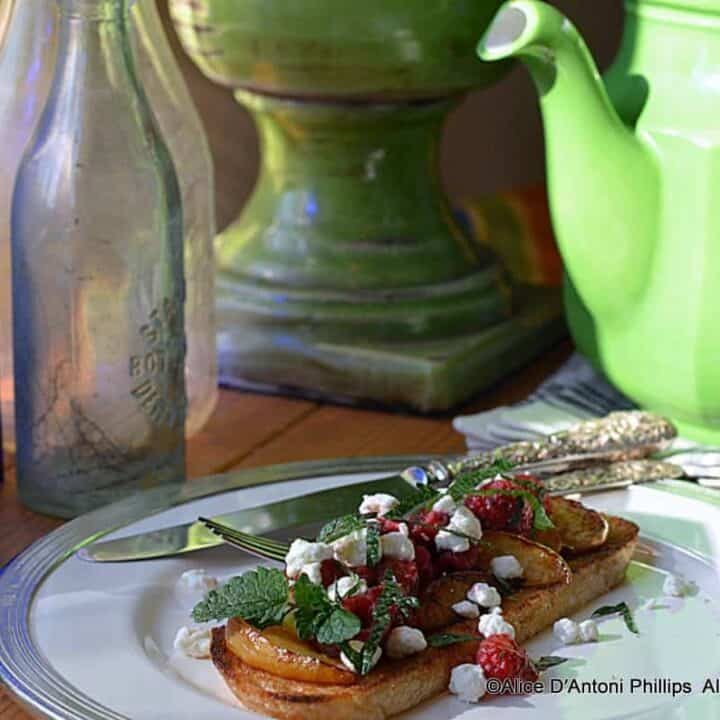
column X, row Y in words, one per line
column 316, row 616
column 261, row 597
column 446, row 639
column 391, row 597
column 619, row 609
column 548, row 661
column 466, row 483
column 340, row 527
column 372, row 542
column 422, row 498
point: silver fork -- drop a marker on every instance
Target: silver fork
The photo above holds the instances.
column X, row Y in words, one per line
column 252, row 544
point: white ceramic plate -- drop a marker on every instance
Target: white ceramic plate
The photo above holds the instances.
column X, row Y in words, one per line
column 89, row 641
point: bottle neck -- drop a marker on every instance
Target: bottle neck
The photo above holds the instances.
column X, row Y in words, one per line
column 94, row 49
column 94, row 10
column 95, row 84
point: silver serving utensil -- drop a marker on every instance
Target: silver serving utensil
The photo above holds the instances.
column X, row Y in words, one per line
column 620, row 436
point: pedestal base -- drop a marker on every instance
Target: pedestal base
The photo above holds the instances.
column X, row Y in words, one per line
column 425, row 376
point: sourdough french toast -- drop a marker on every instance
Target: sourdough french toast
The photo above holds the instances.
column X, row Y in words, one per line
column 395, row 686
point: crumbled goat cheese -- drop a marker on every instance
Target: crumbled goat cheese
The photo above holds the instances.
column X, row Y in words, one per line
column 506, row 567
column 462, row 521
column 445, row 504
column 468, row 683
column 675, row 586
column 351, row 550
column 379, row 504
column 445, row 540
column 357, row 646
column 342, row 586
column 313, row 572
column 652, row 604
column 193, row 642
column 403, row 529
column 302, row 553
column 588, row 631
column 404, row 641
column 398, row 546
column 197, row 581
column 485, row 595
column 495, row 624
column 567, row 631
column 466, row 609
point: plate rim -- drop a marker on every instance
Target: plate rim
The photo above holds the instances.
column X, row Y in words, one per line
column 30, row 678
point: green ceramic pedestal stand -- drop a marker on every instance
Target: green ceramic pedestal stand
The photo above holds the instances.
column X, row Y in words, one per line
column 346, row 274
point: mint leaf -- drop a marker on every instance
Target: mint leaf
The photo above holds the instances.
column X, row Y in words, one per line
column 354, row 656
column 308, row 595
column 619, row 609
column 316, row 616
column 548, row 661
column 529, row 486
column 392, row 595
column 466, row 483
column 446, row 639
column 373, row 545
column 421, row 499
column 541, row 520
column 260, row 597
column 339, row 626
column 312, row 607
column 340, row 527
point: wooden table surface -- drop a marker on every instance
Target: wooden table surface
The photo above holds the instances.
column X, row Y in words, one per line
column 249, row 430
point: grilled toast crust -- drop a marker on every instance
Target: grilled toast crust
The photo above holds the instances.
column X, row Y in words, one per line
column 396, row 686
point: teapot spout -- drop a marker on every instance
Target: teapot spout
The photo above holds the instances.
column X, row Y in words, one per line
column 603, row 181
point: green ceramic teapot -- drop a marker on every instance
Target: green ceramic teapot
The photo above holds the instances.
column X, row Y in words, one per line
column 634, row 183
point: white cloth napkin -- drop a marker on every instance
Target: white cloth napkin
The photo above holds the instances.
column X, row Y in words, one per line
column 575, row 392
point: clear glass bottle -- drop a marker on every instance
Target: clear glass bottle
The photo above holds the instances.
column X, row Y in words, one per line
column 27, row 60
column 26, row 66
column 98, row 284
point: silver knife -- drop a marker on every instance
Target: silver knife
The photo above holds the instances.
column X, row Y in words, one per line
column 620, row 437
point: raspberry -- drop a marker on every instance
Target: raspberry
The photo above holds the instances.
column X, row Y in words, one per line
column 502, row 512
column 363, row 605
column 502, row 658
column 388, row 526
column 423, row 560
column 425, row 526
column 330, row 571
column 405, row 572
column 368, row 574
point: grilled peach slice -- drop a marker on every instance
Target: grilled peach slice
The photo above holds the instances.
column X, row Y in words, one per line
column 581, row 529
column 541, row 565
column 550, row 538
column 279, row 651
column 435, row 611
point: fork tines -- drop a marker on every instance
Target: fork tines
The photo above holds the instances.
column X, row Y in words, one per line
column 252, row 544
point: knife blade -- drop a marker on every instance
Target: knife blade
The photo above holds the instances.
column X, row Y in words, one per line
column 284, row 514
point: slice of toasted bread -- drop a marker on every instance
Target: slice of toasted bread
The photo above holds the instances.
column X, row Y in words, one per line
column 396, row 686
